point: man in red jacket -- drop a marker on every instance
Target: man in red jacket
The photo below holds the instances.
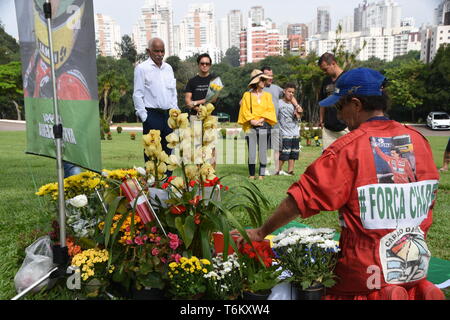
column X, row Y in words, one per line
column 384, row 224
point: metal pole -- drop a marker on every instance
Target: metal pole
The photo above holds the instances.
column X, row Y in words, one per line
column 57, row 130
column 34, row 285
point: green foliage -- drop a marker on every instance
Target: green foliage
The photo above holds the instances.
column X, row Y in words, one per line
column 11, row 91
column 232, row 57
column 9, row 48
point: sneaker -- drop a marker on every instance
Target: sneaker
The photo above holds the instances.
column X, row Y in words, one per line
column 283, row 173
column 267, row 173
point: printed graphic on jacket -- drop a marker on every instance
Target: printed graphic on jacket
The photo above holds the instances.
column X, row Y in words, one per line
column 404, row 256
column 394, row 159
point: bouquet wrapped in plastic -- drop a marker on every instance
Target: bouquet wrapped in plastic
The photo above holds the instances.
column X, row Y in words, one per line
column 215, row 86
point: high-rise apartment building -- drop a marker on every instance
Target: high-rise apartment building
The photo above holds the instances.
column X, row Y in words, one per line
column 259, row 42
column 323, row 20
column 298, row 29
column 198, row 32
column 235, row 25
column 107, row 34
column 256, row 16
column 222, row 34
column 155, row 20
column 382, row 14
column 442, row 13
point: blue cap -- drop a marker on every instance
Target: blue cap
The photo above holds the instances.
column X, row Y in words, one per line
column 360, row 81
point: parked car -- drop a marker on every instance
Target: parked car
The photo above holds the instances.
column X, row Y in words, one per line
column 438, row 121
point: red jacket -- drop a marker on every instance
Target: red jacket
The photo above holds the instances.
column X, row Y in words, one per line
column 384, row 224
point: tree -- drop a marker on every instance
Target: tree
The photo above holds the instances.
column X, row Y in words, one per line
column 11, row 89
column 9, row 48
column 127, row 49
column 232, row 57
column 406, row 87
column 112, row 86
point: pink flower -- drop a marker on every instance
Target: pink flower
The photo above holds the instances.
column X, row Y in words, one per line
column 154, row 229
column 155, row 252
column 138, row 241
column 163, row 260
column 176, row 257
column 174, row 242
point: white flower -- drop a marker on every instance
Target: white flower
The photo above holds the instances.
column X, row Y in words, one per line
column 151, row 180
column 141, row 171
column 79, row 201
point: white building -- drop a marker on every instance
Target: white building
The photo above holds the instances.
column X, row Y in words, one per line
column 442, row 12
column 323, row 20
column 235, row 25
column 222, row 34
column 155, row 20
column 347, row 24
column 432, row 38
column 108, row 35
column 381, row 14
column 256, row 16
column 198, row 32
column 385, row 44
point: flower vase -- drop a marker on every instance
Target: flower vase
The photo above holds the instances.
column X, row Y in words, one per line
column 316, row 292
column 248, row 295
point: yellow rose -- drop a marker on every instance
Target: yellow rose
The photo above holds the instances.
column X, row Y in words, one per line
column 172, row 123
column 173, row 162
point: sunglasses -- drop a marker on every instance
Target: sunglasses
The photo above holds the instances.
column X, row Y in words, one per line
column 205, row 63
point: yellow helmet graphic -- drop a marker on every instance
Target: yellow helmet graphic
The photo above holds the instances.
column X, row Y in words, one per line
column 66, row 23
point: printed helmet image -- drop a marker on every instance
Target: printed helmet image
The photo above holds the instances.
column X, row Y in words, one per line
column 66, row 23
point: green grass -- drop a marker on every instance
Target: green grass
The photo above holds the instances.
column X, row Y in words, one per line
column 24, row 216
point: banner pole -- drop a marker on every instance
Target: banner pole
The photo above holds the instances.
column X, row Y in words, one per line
column 57, row 131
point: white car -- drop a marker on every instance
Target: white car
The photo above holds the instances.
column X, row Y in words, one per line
column 438, row 121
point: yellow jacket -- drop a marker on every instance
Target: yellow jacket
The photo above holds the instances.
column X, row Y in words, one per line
column 265, row 110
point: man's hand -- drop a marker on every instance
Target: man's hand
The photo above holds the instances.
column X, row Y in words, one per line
column 257, row 123
column 253, row 234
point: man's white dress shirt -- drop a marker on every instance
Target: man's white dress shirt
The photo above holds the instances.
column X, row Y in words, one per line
column 154, row 87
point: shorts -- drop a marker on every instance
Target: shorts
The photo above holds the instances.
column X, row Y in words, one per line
column 290, row 148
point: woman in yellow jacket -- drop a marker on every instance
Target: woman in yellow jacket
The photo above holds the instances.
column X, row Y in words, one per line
column 257, row 116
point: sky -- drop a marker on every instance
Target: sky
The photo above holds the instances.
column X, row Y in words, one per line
column 294, row 11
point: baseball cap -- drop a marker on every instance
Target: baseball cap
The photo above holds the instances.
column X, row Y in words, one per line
column 360, row 81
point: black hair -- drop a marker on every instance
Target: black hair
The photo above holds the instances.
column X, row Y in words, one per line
column 204, row 55
column 328, row 57
column 290, row 85
column 264, row 68
column 371, row 103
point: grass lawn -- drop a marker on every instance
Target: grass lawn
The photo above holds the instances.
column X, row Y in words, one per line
column 24, row 216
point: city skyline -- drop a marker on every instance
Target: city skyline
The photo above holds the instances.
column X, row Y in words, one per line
column 291, row 11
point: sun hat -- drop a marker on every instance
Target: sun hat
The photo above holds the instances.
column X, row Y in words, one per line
column 256, row 75
column 360, row 81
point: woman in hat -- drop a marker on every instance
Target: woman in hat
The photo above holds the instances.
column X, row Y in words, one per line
column 257, row 116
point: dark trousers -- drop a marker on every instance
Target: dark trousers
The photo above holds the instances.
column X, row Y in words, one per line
column 157, row 120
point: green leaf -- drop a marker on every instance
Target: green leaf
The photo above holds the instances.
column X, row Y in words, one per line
column 189, row 230
column 180, row 227
column 109, row 217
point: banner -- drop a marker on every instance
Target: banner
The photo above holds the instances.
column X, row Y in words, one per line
column 74, row 52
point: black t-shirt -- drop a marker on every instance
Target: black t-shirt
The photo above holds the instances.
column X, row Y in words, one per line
column 331, row 122
column 198, row 86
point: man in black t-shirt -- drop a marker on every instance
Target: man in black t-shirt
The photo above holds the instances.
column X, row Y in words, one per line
column 332, row 127
column 197, row 87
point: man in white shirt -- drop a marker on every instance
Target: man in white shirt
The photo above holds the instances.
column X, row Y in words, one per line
column 155, row 92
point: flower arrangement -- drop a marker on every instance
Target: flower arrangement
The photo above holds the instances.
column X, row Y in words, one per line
column 310, row 256
column 152, row 251
column 214, row 89
column 225, row 279
column 186, row 278
column 93, row 268
column 261, row 274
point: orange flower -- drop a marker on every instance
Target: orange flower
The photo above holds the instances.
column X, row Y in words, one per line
column 177, row 209
column 73, row 249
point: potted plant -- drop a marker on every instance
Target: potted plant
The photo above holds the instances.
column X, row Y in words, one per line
column 310, row 256
column 119, row 130
column 133, row 135
column 260, row 274
column 186, row 278
column 224, row 281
